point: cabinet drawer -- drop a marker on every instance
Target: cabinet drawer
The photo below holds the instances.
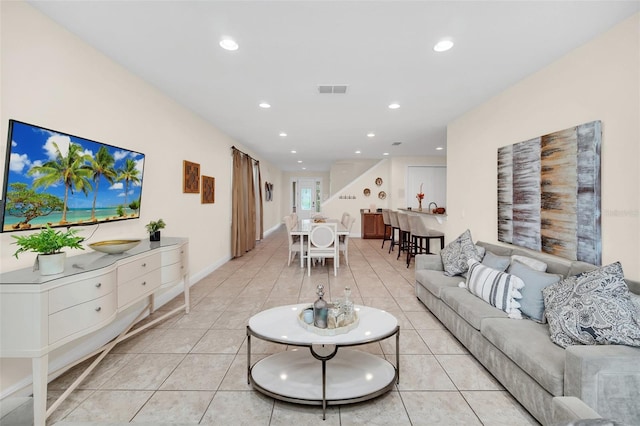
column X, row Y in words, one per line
column 134, row 289
column 80, row 317
column 172, row 273
column 138, row 268
column 172, row 256
column 81, row 291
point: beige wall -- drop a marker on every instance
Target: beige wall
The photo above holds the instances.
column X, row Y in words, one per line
column 335, row 206
column 51, row 78
column 343, row 172
column 598, row 81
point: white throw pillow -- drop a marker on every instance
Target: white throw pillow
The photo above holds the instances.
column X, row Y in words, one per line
column 497, row 288
column 532, row 263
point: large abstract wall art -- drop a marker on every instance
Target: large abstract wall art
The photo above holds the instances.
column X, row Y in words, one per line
column 549, row 193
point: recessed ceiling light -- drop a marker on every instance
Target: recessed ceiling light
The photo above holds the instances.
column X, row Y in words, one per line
column 283, row 134
column 443, row 45
column 371, row 135
column 385, row 153
column 304, row 168
column 264, row 105
column 394, row 106
column 293, row 151
column 299, row 161
column 439, row 148
column 358, row 152
column 228, row 44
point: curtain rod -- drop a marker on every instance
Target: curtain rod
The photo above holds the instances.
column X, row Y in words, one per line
column 244, row 153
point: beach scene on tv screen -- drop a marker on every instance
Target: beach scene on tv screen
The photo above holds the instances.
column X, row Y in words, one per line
column 57, row 179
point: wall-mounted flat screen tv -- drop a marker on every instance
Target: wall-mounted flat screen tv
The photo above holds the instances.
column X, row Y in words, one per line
column 57, row 179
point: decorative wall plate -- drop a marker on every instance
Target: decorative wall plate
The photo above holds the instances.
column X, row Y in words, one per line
column 367, row 192
column 382, row 195
column 378, row 181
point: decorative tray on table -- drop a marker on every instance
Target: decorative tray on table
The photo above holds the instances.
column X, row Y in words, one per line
column 331, row 329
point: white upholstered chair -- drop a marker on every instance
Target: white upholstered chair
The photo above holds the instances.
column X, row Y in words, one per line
column 345, row 219
column 323, row 244
column 344, row 244
column 294, row 240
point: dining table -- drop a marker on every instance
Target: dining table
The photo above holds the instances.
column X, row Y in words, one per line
column 303, row 228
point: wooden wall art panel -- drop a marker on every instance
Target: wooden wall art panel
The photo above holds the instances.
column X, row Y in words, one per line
column 549, row 193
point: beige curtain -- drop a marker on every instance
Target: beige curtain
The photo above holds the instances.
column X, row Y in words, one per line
column 243, row 213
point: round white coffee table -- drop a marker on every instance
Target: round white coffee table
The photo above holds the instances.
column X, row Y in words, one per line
column 341, row 377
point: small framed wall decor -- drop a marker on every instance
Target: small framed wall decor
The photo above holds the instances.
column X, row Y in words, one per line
column 191, row 177
column 208, row 189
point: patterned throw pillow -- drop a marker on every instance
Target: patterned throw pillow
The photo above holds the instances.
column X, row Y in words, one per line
column 456, row 254
column 497, row 288
column 593, row 308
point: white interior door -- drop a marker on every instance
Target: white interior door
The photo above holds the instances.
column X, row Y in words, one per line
column 306, row 202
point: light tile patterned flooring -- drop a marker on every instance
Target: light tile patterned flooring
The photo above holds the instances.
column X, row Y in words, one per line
column 191, row 369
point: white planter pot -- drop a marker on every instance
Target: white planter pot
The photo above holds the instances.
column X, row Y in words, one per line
column 51, row 264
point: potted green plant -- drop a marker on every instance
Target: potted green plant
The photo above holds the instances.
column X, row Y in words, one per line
column 49, row 243
column 153, row 228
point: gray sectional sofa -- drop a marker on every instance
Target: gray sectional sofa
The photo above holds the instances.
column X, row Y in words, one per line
column 520, row 354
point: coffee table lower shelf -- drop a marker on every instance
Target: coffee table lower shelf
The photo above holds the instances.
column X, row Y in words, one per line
column 296, row 376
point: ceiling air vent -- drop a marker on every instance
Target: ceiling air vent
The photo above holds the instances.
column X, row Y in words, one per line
column 396, row 143
column 339, row 89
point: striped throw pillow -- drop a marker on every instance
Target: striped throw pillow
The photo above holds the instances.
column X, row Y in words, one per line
column 497, row 288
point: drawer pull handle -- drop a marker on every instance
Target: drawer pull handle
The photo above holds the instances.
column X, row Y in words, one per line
column 98, row 285
column 144, row 265
column 144, row 283
column 98, row 309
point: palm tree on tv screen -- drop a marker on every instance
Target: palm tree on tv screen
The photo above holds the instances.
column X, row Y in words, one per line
column 129, row 174
column 101, row 165
column 69, row 170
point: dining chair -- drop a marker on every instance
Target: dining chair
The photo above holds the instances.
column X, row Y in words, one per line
column 294, row 240
column 322, row 244
column 344, row 220
column 344, row 244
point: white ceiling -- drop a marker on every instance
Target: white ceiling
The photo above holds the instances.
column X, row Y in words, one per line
column 383, row 50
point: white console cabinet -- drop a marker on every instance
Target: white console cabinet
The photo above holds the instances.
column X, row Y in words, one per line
column 41, row 313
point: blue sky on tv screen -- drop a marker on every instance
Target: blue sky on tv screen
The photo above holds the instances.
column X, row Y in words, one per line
column 34, row 146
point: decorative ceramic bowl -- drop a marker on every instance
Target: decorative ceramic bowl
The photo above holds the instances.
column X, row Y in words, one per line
column 114, row 246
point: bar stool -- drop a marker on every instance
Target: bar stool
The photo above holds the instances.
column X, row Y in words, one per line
column 395, row 226
column 420, row 234
column 387, row 226
column 405, row 233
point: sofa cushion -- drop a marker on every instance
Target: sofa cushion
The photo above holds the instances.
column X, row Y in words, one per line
column 497, row 288
column 496, row 249
column 470, row 307
column 532, row 302
column 435, row 281
column 593, row 308
column 527, row 344
column 456, row 254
